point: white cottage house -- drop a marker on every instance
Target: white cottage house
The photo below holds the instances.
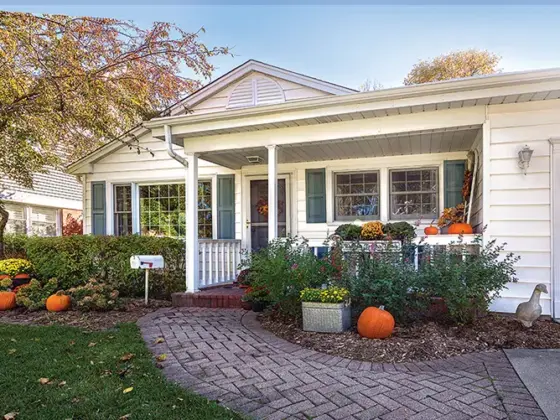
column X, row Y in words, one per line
column 318, row 155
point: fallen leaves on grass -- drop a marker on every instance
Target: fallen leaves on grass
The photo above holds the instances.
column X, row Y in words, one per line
column 92, row 344
column 44, row 381
column 12, row 351
column 61, row 384
column 127, row 390
column 161, row 357
column 126, row 357
column 11, row 416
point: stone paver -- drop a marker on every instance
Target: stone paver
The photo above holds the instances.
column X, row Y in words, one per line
column 225, row 355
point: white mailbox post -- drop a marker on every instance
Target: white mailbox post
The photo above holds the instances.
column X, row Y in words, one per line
column 147, row 263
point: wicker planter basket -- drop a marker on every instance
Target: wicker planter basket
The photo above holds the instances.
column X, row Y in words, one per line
column 326, row 317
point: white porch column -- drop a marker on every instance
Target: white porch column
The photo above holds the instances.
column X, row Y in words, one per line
column 272, row 193
column 191, row 202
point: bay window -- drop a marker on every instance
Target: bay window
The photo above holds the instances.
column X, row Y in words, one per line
column 357, row 196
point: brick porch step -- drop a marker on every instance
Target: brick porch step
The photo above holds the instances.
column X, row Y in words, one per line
column 228, row 296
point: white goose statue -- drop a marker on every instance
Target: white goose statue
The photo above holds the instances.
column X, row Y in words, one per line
column 529, row 312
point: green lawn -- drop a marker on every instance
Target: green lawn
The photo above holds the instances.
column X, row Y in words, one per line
column 87, row 377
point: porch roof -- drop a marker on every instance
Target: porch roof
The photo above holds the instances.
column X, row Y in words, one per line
column 447, row 95
column 452, row 139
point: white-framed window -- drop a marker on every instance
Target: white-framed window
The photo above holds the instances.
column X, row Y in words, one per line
column 17, row 219
column 356, row 195
column 162, row 209
column 122, row 203
column 43, row 221
column 414, row 193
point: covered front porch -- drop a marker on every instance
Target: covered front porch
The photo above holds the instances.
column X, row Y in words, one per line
column 309, row 188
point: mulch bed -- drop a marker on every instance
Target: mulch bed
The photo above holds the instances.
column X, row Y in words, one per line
column 131, row 311
column 423, row 341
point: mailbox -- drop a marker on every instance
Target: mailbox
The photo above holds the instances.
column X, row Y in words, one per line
column 146, row 262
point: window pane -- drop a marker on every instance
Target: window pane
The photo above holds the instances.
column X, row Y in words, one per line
column 122, row 219
column 414, row 194
column 357, row 196
column 162, row 210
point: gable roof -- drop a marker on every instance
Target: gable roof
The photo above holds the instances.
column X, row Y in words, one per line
column 213, row 87
column 256, row 66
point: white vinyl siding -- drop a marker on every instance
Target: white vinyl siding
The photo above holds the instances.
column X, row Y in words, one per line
column 517, row 206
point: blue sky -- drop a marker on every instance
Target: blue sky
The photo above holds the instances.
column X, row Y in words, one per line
column 348, row 44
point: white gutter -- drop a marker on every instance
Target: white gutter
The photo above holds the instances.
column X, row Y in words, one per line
column 170, row 151
column 391, row 94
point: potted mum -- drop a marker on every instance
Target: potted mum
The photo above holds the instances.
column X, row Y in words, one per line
column 326, row 310
column 17, row 269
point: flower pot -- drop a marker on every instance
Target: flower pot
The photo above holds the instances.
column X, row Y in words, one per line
column 431, row 230
column 326, row 317
column 7, row 301
column 460, row 229
column 258, row 306
column 20, row 279
column 246, row 305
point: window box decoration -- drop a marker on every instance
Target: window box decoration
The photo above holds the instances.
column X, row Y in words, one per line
column 326, row 310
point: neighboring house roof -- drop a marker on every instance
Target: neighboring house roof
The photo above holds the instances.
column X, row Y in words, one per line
column 238, row 73
column 53, row 183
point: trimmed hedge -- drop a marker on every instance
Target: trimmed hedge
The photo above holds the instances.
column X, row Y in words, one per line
column 73, row 260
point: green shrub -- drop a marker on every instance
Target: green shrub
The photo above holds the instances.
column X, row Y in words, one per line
column 401, row 231
column 348, row 232
column 94, row 296
column 383, row 278
column 467, row 281
column 75, row 259
column 34, row 296
column 284, row 268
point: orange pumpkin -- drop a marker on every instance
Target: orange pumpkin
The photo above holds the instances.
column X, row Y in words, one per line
column 460, row 229
column 58, row 303
column 7, row 301
column 431, row 230
column 375, row 323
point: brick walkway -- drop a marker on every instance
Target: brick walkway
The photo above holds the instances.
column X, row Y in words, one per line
column 224, row 355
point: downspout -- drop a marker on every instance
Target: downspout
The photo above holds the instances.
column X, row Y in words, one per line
column 475, row 170
column 170, row 151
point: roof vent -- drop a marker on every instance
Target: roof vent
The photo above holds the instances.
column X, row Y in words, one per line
column 256, row 90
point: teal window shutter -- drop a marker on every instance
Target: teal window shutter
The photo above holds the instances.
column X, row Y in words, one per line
column 98, row 218
column 315, row 191
column 454, row 173
column 226, row 206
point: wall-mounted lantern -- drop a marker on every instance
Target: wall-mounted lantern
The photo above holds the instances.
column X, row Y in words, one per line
column 525, row 155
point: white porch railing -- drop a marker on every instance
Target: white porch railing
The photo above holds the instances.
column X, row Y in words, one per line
column 218, row 261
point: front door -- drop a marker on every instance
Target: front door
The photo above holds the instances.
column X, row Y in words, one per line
column 259, row 212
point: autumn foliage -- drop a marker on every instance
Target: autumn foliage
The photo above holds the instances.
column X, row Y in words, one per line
column 70, row 84
column 455, row 65
column 73, row 226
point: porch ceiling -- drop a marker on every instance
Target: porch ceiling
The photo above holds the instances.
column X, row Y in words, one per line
column 453, row 139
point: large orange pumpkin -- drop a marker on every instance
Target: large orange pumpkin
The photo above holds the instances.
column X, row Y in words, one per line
column 58, row 303
column 431, row 230
column 375, row 323
column 7, row 301
column 460, row 229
